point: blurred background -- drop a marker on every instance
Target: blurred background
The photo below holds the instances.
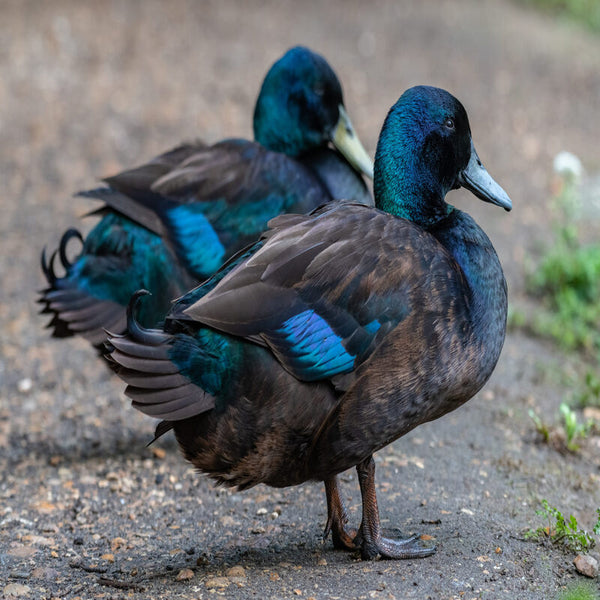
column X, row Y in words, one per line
column 88, row 89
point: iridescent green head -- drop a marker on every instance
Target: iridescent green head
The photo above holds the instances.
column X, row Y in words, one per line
column 300, row 108
column 424, row 151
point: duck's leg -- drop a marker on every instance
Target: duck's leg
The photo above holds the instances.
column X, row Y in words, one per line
column 369, row 538
column 337, row 518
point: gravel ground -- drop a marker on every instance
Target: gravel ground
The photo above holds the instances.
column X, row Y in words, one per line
column 86, row 509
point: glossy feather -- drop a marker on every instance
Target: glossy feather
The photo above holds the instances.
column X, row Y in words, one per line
column 186, row 211
column 339, row 331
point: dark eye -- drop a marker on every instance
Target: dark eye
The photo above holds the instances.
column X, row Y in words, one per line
column 319, row 90
column 449, row 123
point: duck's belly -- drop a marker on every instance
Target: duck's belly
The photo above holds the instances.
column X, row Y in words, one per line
column 263, row 432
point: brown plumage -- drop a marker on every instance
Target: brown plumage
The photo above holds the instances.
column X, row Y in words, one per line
column 338, row 332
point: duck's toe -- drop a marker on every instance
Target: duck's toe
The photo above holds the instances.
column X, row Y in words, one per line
column 386, row 547
column 343, row 537
column 370, row 536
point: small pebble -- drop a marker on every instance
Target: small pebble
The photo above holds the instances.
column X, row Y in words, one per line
column 117, row 543
column 217, row 582
column 19, row 574
column 15, row 590
column 24, row 385
column 184, row 575
column 236, row 571
column 159, row 453
column 47, row 573
column 586, row 565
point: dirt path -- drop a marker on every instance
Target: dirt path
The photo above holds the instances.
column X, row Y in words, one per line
column 84, row 506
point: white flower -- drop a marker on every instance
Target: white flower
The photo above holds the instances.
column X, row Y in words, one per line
column 568, row 165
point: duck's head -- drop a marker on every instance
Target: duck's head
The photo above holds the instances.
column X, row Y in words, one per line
column 300, row 108
column 424, row 151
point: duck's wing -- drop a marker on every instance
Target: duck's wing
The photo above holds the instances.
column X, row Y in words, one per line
column 215, row 200
column 323, row 291
column 131, row 192
column 142, row 179
column 239, row 186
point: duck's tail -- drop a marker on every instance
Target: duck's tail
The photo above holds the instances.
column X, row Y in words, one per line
column 74, row 310
column 147, row 361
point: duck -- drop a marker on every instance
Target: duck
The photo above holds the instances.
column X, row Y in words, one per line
column 337, row 332
column 172, row 222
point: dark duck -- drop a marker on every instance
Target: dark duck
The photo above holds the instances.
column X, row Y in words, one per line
column 171, row 223
column 337, row 332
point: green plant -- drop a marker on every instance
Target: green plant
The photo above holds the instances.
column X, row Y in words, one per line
column 566, row 434
column 563, row 532
column 567, row 283
column 540, row 426
column 516, row 318
column 573, row 429
column 588, row 393
column 579, row 591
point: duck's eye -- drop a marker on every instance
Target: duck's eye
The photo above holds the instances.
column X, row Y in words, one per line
column 319, row 90
column 449, row 123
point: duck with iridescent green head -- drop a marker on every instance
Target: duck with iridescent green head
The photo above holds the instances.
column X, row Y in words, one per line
column 337, row 332
column 172, row 222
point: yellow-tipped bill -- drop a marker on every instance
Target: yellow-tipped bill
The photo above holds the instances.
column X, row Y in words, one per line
column 346, row 141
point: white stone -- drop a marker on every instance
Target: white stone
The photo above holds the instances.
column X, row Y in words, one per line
column 586, row 565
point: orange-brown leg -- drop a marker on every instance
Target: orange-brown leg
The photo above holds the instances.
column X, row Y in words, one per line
column 337, row 518
column 369, row 538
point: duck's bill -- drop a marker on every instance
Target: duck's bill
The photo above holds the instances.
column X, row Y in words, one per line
column 344, row 138
column 477, row 180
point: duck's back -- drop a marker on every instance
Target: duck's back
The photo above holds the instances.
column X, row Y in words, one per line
column 184, row 213
column 398, row 345
column 217, row 199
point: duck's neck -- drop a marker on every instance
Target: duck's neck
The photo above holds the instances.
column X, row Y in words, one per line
column 405, row 185
column 421, row 201
column 474, row 253
column 336, row 174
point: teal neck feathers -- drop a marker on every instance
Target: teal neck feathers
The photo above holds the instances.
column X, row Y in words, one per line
column 424, row 151
column 424, row 143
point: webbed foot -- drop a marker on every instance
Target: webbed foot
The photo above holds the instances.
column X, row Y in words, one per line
column 369, row 538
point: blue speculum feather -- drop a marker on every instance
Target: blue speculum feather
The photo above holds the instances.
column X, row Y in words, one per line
column 313, row 347
column 197, row 238
column 373, row 326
